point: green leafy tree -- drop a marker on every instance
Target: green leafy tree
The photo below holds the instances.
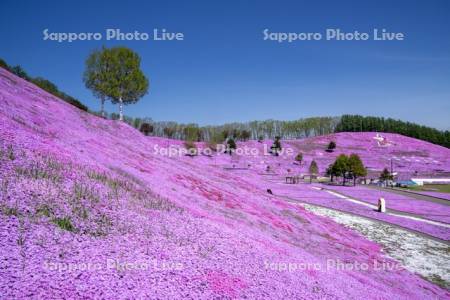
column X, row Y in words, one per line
column 299, row 157
column 340, row 167
column 245, row 135
column 215, row 139
column 276, row 146
column 146, row 128
column 121, row 78
column 96, row 74
column 386, row 175
column 137, row 122
column 231, row 146
column 225, row 134
column 329, row 172
column 192, row 132
column 356, row 167
column 313, row 170
column 169, row 132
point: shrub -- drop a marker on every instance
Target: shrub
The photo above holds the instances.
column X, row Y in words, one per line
column 331, row 146
column 313, row 170
column 231, row 146
column 146, row 128
column 191, row 147
column 169, row 132
column 225, row 134
column 44, row 210
column 4, row 65
column 276, row 146
column 10, row 152
column 212, row 145
column 46, row 85
column 71, row 100
column 17, row 70
column 299, row 157
column 10, row 211
column 245, row 135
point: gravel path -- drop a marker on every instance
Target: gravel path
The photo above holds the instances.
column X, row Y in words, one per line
column 417, row 253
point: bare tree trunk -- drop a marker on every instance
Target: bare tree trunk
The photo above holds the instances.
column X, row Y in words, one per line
column 102, row 109
column 120, row 109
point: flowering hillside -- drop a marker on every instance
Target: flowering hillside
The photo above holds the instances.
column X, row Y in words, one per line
column 90, row 210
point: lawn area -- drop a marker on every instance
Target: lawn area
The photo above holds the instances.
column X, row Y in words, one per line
column 442, row 188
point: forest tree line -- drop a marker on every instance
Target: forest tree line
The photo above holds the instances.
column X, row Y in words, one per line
column 357, row 123
column 253, row 130
column 301, row 128
column 44, row 84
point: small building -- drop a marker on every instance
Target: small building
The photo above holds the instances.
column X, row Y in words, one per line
column 292, row 179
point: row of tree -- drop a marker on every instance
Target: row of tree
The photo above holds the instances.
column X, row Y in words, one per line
column 44, row 84
column 254, row 130
column 347, row 167
column 258, row 130
column 357, row 123
column 308, row 127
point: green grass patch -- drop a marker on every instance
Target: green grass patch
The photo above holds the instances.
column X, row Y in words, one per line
column 64, row 223
column 47, row 169
column 441, row 188
column 44, row 210
column 10, row 211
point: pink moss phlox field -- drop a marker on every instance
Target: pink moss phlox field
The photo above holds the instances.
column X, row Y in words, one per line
column 90, row 211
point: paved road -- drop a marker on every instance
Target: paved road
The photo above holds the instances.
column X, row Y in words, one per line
column 410, row 195
column 391, row 211
column 425, row 235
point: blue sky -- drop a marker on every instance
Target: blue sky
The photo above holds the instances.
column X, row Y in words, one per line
column 224, row 71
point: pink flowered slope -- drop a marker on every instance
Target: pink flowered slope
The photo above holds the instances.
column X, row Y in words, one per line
column 407, row 155
column 88, row 210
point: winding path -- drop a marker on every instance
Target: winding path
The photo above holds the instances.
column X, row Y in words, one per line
column 389, row 211
column 411, row 194
column 416, row 252
column 301, row 202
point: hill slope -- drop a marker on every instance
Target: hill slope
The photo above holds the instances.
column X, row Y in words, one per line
column 89, row 210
